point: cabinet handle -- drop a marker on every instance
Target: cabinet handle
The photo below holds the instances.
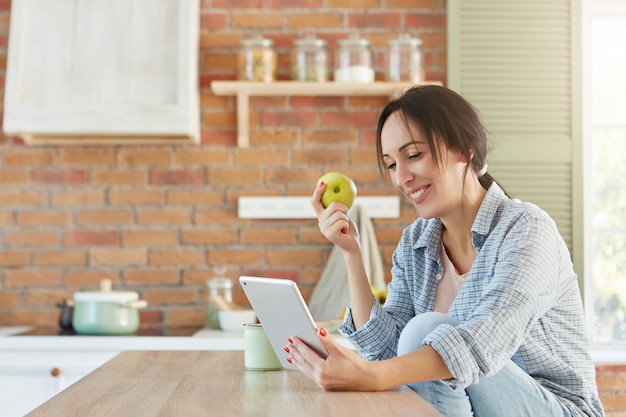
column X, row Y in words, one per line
column 55, row 372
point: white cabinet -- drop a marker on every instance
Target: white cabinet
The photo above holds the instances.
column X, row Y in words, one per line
column 28, row 379
column 115, row 71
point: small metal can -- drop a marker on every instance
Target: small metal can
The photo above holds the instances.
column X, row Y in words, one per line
column 257, row 60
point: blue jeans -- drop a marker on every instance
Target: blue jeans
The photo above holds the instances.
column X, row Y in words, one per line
column 511, row 392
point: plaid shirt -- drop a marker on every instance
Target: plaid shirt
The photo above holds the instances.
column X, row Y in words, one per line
column 520, row 301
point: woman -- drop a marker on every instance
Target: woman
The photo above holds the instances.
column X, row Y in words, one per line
column 483, row 315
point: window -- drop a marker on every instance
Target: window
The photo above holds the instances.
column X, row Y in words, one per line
column 604, row 97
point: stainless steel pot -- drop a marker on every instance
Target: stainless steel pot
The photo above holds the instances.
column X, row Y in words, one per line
column 106, row 312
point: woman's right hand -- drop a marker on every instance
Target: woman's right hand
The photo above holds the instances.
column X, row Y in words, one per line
column 334, row 222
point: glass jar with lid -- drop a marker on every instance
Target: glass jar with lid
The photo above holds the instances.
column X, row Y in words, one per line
column 309, row 60
column 353, row 61
column 220, row 292
column 404, row 60
column 257, row 60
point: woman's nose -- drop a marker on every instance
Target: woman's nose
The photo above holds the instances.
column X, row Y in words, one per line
column 402, row 174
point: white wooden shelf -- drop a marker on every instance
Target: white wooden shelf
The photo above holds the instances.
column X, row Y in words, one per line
column 244, row 89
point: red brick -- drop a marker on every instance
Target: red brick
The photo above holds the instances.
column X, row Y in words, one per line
column 6, row 218
column 239, row 257
column 209, row 237
column 374, row 20
column 293, row 257
column 317, row 20
column 104, row 217
column 289, row 118
column 13, row 258
column 62, row 198
column 27, row 158
column 150, row 238
column 32, row 278
column 220, row 217
column 212, row 21
column 320, row 156
column 144, row 158
column 164, row 217
column 60, row 258
column 31, row 238
column 90, row 157
column 293, row 176
column 37, row 318
column 91, row 238
column 253, row 236
column 195, row 197
column 354, row 4
column 111, row 177
column 118, row 256
column 60, row 177
column 295, row 4
column 287, row 138
column 14, row 177
column 44, row 218
column 349, row 118
column 258, row 20
column 412, row 4
column 184, row 257
column 136, row 197
column 331, row 137
column 218, row 138
column 219, row 119
column 235, row 176
column 22, row 198
column 177, row 177
column 220, row 40
column 141, row 277
column 257, row 157
column 203, row 157
column 45, row 297
column 426, row 20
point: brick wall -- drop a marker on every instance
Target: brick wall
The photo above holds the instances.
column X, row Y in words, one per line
column 159, row 219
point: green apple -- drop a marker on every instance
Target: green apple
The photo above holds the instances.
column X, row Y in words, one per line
column 339, row 187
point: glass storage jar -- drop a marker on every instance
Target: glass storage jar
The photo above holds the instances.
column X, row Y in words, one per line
column 404, row 60
column 218, row 287
column 257, row 60
column 309, row 60
column 353, row 61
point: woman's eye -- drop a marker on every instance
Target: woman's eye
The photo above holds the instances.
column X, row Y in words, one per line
column 415, row 155
column 391, row 165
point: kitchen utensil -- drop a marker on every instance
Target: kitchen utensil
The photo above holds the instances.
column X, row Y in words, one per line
column 106, row 312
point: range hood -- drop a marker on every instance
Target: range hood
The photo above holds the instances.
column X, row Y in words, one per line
column 115, row 71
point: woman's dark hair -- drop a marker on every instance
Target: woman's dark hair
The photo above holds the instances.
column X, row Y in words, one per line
column 446, row 121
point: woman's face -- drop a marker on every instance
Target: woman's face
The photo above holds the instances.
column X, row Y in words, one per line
column 435, row 190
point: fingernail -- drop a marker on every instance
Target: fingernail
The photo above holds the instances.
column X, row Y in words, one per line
column 321, row 184
column 289, row 359
column 286, row 349
column 322, row 331
column 290, row 340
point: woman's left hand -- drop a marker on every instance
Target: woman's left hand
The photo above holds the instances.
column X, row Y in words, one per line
column 343, row 368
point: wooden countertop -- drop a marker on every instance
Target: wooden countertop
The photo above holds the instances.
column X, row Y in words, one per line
column 201, row 383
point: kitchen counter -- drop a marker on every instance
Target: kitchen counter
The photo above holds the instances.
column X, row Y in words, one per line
column 200, row 383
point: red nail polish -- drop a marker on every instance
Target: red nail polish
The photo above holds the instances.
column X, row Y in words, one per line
column 289, row 359
column 321, row 184
column 323, row 331
column 290, row 340
column 286, row 349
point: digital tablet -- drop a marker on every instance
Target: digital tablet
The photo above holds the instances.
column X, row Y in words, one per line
column 283, row 313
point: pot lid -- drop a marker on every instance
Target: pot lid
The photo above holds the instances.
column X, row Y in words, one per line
column 105, row 294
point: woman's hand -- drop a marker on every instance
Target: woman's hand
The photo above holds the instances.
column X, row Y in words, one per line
column 334, row 222
column 343, row 368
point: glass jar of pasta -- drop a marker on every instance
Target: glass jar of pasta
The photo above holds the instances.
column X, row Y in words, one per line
column 257, row 60
column 309, row 60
